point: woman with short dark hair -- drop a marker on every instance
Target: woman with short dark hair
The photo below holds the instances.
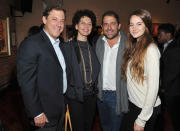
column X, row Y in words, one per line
column 82, row 87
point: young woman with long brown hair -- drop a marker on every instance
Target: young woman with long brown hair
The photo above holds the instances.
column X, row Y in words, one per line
column 141, row 70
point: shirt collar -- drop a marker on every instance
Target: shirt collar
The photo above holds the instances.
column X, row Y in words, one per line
column 170, row 41
column 167, row 43
column 116, row 45
column 53, row 42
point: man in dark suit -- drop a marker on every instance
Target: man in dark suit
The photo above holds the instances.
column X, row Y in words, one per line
column 170, row 73
column 42, row 72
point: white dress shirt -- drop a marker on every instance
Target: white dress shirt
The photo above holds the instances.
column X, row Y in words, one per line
column 109, row 65
column 55, row 44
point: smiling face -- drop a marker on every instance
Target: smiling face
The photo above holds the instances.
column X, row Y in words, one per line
column 84, row 27
column 54, row 23
column 110, row 27
column 136, row 26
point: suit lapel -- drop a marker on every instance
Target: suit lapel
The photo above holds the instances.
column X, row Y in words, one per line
column 167, row 49
column 119, row 59
column 100, row 51
column 76, row 48
column 61, row 46
column 120, row 51
column 49, row 47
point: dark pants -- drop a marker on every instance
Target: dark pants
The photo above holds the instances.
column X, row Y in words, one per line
column 83, row 113
column 172, row 103
column 58, row 127
column 47, row 129
column 109, row 120
column 131, row 116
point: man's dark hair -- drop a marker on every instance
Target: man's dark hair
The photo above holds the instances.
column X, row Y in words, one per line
column 111, row 13
column 167, row 28
column 49, row 9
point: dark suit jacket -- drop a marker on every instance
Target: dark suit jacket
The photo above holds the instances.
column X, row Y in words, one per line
column 170, row 69
column 75, row 83
column 40, row 77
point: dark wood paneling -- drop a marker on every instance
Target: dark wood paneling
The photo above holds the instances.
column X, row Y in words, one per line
column 7, row 70
column 7, row 63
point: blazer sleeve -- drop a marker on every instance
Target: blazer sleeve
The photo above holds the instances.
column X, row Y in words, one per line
column 171, row 68
column 27, row 69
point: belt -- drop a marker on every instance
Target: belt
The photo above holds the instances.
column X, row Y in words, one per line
column 109, row 91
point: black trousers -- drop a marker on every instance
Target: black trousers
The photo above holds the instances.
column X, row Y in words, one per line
column 172, row 104
column 58, row 127
column 46, row 129
column 83, row 113
column 129, row 118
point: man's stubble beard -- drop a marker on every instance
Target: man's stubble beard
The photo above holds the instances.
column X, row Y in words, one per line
column 110, row 38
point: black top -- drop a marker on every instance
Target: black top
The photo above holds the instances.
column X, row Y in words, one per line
column 88, row 89
column 76, row 86
column 84, row 47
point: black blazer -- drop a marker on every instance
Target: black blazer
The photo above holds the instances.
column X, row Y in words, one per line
column 75, row 83
column 170, row 69
column 40, row 77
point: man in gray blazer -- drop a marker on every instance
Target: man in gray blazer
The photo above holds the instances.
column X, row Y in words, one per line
column 113, row 100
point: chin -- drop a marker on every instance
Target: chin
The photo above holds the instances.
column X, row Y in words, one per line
column 57, row 35
column 136, row 36
column 108, row 37
column 86, row 34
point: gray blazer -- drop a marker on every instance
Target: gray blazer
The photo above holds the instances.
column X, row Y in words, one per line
column 121, row 86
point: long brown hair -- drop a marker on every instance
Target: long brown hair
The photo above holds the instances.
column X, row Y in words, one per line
column 136, row 50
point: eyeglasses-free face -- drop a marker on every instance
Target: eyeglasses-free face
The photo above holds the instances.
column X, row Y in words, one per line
column 110, row 27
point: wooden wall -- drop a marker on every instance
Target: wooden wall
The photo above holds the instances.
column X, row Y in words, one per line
column 7, row 63
column 7, row 71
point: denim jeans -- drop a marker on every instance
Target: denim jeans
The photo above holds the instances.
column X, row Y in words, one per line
column 109, row 120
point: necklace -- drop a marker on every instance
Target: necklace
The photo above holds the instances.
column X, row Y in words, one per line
column 83, row 65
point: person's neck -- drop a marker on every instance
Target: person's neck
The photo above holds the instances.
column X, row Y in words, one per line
column 82, row 38
column 113, row 41
column 49, row 34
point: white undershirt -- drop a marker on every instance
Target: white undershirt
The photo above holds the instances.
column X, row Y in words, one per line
column 145, row 95
column 109, row 65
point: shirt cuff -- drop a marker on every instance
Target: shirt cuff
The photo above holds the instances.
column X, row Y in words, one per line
column 38, row 115
column 140, row 122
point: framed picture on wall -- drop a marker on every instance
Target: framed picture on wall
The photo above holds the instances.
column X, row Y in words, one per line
column 4, row 37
